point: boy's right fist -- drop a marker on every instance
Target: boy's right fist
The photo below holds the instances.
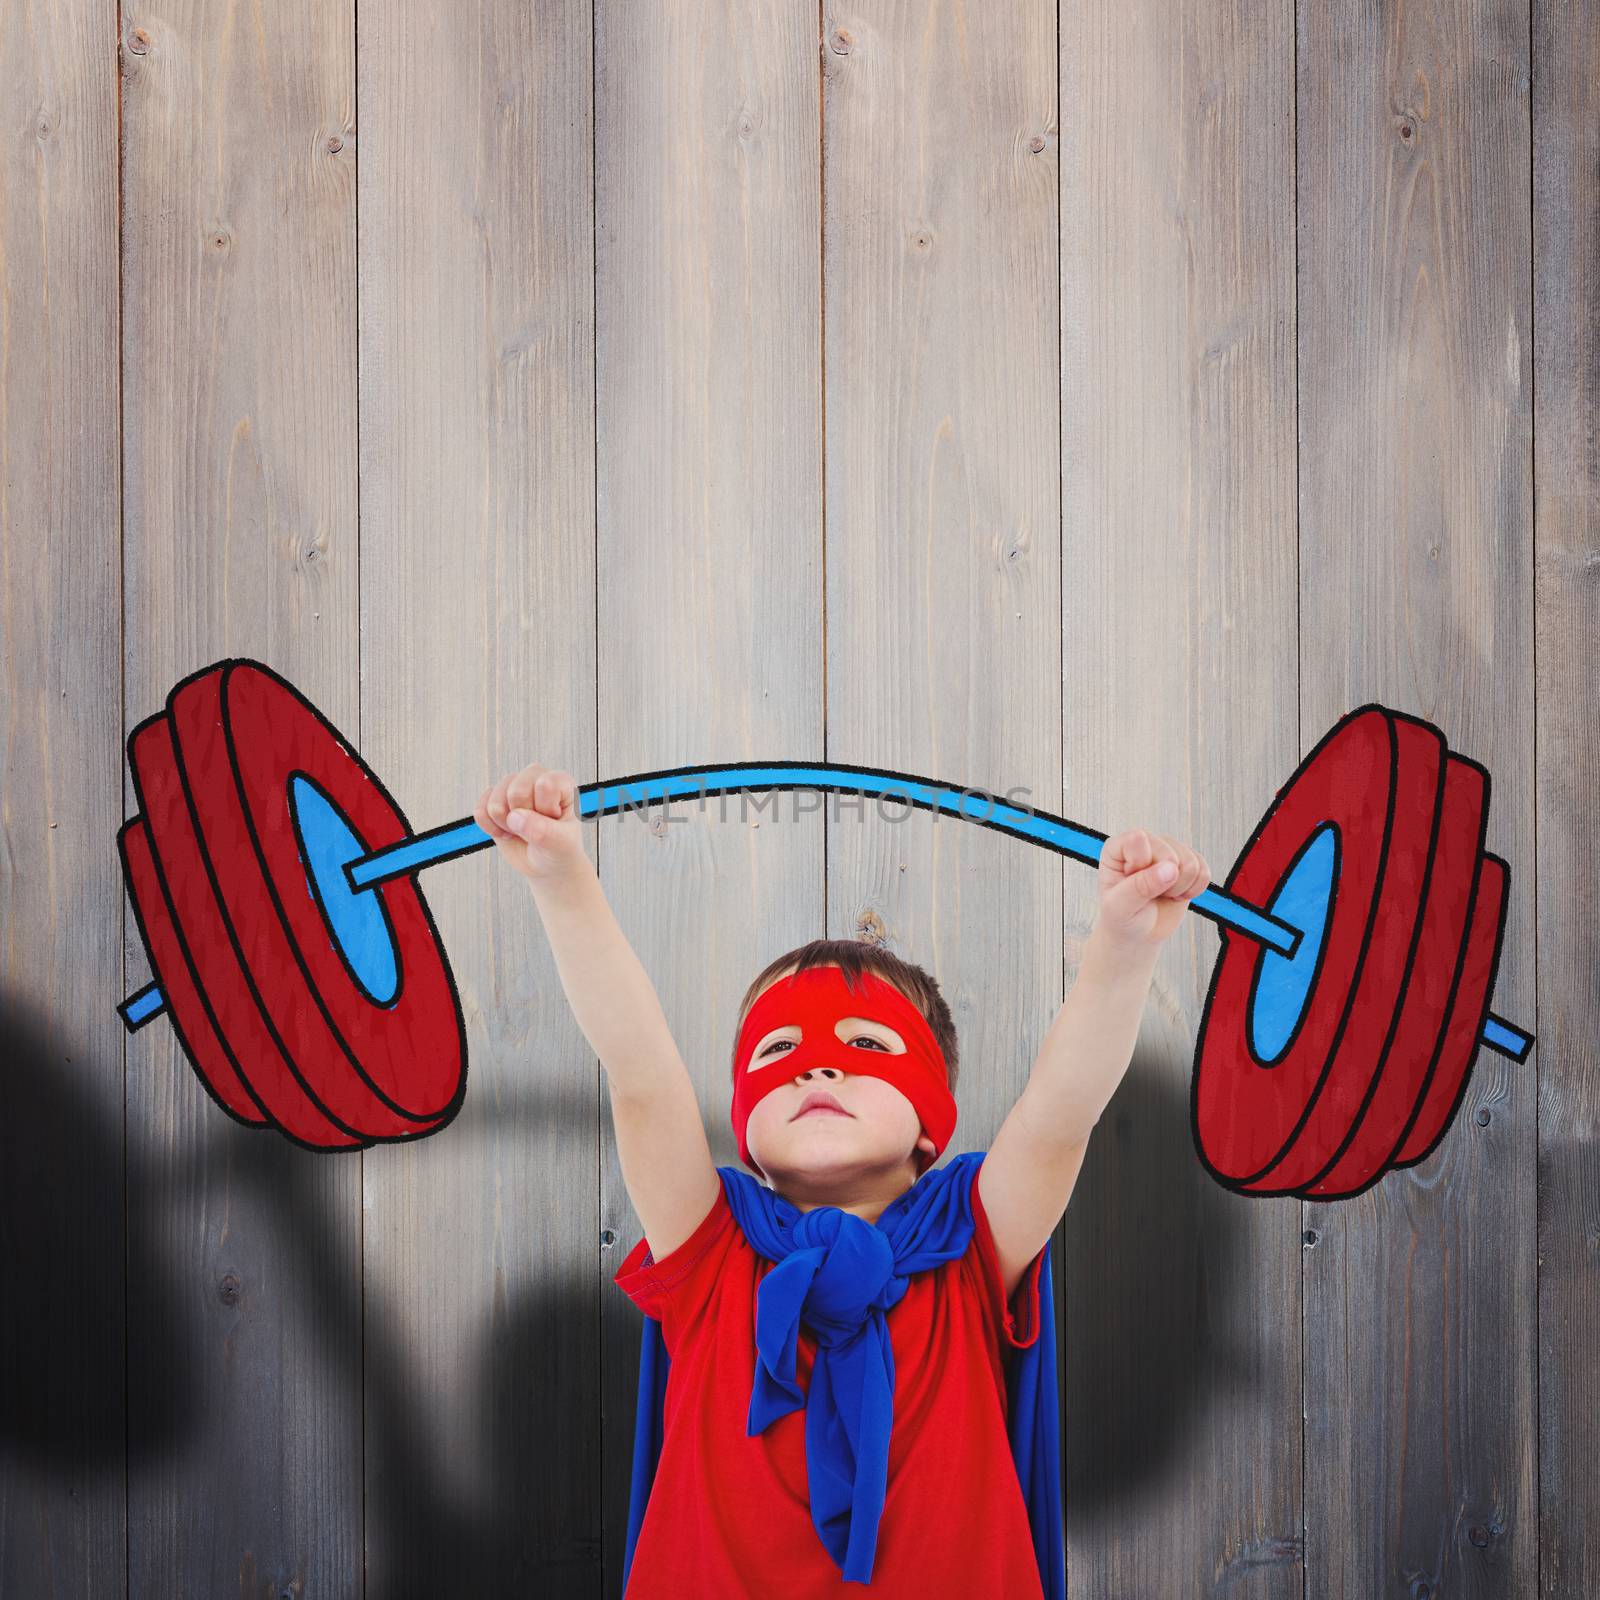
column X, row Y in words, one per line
column 532, row 817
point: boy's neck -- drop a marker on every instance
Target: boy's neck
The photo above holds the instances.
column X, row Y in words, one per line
column 869, row 1204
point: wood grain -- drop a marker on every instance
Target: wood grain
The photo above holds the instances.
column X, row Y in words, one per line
column 63, row 1267
column 1566, row 371
column 240, row 538
column 1416, row 545
column 1178, row 708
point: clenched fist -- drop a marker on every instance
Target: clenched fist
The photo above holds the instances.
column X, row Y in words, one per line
column 1146, row 883
column 532, row 817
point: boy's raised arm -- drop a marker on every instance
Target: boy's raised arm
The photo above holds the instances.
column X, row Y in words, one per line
column 661, row 1138
column 1146, row 882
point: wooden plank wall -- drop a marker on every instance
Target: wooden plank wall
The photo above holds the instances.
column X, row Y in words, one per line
column 63, row 1268
column 1416, row 589
column 239, row 537
column 1178, row 710
column 1566, row 605
column 1089, row 401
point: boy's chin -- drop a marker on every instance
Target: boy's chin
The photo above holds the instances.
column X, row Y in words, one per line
column 820, row 1164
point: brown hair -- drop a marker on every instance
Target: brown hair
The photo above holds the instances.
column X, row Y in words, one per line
column 854, row 957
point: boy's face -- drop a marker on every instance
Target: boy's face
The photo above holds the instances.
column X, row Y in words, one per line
column 878, row 1131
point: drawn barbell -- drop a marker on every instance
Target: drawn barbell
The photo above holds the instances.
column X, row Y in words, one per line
column 274, row 883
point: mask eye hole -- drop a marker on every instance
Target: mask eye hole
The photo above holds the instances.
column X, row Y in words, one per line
column 867, row 1033
column 771, row 1049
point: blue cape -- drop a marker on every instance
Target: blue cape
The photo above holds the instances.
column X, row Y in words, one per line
column 844, row 1274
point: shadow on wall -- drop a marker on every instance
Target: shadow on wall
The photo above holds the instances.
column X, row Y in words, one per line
column 1156, row 1264
column 63, row 1405
column 537, row 1528
column 1159, row 1291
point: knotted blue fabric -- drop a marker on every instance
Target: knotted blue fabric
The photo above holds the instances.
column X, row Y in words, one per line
column 842, row 1275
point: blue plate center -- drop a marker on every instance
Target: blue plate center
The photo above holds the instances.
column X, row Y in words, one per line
column 1283, row 983
column 357, row 922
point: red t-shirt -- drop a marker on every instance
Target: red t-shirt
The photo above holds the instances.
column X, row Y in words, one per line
column 729, row 1515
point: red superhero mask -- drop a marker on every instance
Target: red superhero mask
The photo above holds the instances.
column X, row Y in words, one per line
column 817, row 1000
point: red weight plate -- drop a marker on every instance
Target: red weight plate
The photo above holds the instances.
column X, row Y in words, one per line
column 196, row 1033
column 1464, row 1031
column 394, row 1071
column 1267, row 1127
column 1420, row 1024
column 230, row 992
column 1353, row 1071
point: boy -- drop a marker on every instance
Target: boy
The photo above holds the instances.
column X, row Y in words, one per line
column 855, row 1446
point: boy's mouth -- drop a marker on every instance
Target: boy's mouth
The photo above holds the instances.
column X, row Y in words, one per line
column 818, row 1101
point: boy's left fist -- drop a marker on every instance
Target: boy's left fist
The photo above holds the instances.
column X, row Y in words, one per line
column 1146, row 883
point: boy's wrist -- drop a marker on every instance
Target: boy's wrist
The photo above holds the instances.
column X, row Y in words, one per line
column 1111, row 961
column 573, row 883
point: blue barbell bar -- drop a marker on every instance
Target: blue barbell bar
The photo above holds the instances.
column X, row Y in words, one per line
column 455, row 839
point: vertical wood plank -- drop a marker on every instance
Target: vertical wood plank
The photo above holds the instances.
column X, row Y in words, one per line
column 240, row 498
column 943, row 515
column 1178, row 436
column 1566, row 370
column 1416, row 590
column 63, row 1411
column 477, row 600
column 709, row 536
